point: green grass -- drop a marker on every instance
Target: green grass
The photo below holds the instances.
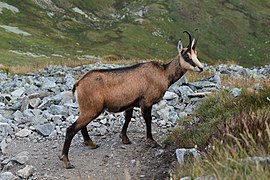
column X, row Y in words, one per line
column 230, row 30
column 229, row 130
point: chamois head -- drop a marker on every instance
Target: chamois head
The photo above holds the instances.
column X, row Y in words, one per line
column 188, row 55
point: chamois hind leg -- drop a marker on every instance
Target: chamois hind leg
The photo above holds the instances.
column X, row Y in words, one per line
column 81, row 122
column 87, row 140
column 123, row 135
column 146, row 112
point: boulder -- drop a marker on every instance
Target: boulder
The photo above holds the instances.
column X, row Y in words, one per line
column 26, row 172
column 21, row 158
column 45, row 129
column 8, row 176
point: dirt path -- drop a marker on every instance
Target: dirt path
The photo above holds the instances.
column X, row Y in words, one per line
column 112, row 160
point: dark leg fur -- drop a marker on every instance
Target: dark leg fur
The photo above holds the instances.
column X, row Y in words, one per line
column 146, row 112
column 70, row 133
column 87, row 140
column 123, row 135
column 79, row 124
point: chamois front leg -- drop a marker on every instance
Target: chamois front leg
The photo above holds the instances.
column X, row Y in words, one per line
column 146, row 112
column 123, row 135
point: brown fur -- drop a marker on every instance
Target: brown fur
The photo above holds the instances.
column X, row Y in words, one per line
column 120, row 89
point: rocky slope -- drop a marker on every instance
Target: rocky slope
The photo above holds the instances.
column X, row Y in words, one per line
column 36, row 109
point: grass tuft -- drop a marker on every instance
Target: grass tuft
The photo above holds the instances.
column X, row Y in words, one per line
column 229, row 131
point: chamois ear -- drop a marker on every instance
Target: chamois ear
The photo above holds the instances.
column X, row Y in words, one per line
column 179, row 46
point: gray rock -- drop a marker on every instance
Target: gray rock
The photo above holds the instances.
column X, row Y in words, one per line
column 182, row 114
column 57, row 110
column 2, row 105
column 223, row 69
column 18, row 92
column 25, row 103
column 69, row 81
column 245, row 72
column 5, row 129
column 48, row 83
column 3, row 146
column 158, row 152
column 103, row 121
column 236, row 92
column 34, row 102
column 183, row 80
column 205, row 178
column 57, row 119
column 47, row 115
column 45, row 103
column 63, row 97
column 102, row 130
column 7, row 176
column 26, row 172
column 186, row 178
column 182, row 153
column 202, row 84
column 71, row 119
column 45, row 129
column 162, row 123
column 184, row 91
column 95, row 124
column 261, row 160
column 5, row 98
column 3, row 119
column 18, row 116
column 39, row 117
column 164, row 113
column 28, row 113
column 169, row 95
column 15, row 104
column 214, row 79
column 21, row 158
column 23, row 133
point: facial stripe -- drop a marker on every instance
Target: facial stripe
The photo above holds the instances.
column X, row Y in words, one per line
column 188, row 60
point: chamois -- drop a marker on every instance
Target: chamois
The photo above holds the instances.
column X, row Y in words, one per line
column 122, row 89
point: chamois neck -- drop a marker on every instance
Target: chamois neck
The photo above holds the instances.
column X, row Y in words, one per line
column 174, row 70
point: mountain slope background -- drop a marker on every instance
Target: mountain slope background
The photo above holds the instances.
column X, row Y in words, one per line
column 36, row 31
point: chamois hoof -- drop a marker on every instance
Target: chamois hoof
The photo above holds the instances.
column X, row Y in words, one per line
column 67, row 164
column 125, row 139
column 152, row 143
column 91, row 144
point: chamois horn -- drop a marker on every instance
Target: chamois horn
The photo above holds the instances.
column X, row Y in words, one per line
column 189, row 45
column 196, row 39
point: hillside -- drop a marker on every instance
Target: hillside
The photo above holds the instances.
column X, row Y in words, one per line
column 39, row 31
